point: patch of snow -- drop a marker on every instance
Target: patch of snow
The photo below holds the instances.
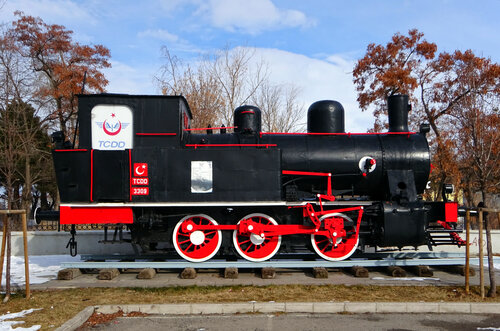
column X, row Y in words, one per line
column 418, row 279
column 7, row 325
column 42, row 268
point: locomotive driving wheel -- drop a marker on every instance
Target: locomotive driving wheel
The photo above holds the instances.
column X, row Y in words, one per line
column 340, row 247
column 254, row 247
column 198, row 245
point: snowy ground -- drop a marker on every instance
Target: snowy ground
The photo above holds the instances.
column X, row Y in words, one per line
column 42, row 268
column 7, row 325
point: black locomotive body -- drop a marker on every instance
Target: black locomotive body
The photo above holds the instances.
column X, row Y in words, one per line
column 139, row 163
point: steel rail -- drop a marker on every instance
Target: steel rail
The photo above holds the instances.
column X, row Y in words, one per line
column 294, row 256
column 243, row 264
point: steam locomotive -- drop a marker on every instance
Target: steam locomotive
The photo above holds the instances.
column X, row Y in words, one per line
column 199, row 194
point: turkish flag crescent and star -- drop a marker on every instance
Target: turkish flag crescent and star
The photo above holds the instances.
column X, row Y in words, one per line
column 141, row 169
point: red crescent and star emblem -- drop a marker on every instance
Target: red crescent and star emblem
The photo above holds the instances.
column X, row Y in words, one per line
column 141, row 169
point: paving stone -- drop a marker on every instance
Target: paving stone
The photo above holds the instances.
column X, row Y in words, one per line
column 78, row 320
column 391, row 307
column 361, row 307
column 68, row 274
column 231, row 273
column 269, row 307
column 328, row 307
column 422, row 307
column 148, row 273
column 176, row 309
column 320, row 272
column 108, row 274
column 268, row 273
column 454, row 307
column 188, row 273
column 205, row 309
column 130, row 308
column 107, row 309
column 238, row 308
column 299, row 307
column 485, row 308
column 152, row 309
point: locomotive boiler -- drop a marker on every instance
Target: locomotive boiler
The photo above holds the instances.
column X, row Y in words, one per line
column 249, row 193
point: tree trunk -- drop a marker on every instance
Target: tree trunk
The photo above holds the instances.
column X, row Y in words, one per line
column 44, row 203
column 491, row 267
column 57, row 200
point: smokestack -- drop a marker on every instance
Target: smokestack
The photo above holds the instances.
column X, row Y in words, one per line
column 398, row 108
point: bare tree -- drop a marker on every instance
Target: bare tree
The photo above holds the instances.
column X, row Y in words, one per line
column 239, row 77
column 479, row 152
column 27, row 135
column 281, row 110
column 196, row 84
column 14, row 78
column 215, row 85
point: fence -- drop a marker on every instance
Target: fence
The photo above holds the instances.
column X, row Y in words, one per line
column 481, row 212
column 7, row 242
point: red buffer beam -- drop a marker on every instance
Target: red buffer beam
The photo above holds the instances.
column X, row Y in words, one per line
column 91, row 215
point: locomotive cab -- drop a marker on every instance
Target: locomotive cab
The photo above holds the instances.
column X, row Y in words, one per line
column 111, row 126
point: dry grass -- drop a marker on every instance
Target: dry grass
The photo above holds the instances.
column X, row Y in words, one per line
column 60, row 305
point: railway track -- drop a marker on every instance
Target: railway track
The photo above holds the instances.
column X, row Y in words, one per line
column 301, row 261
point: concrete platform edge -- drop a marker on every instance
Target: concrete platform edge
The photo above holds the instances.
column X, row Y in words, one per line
column 78, row 320
column 306, row 307
column 287, row 307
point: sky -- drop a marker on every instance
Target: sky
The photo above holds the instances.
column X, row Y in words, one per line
column 312, row 44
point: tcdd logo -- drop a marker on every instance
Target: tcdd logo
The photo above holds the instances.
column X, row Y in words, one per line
column 113, row 126
column 111, row 144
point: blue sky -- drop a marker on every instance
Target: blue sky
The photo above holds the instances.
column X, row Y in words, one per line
column 313, row 44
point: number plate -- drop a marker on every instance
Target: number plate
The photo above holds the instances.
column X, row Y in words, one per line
column 140, row 190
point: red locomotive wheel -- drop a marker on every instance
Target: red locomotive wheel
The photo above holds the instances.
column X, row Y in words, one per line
column 253, row 247
column 341, row 249
column 199, row 245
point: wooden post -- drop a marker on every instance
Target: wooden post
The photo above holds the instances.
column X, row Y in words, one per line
column 467, row 250
column 26, row 262
column 7, row 267
column 4, row 220
column 481, row 271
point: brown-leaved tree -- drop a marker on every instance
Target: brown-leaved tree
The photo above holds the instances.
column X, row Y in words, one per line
column 437, row 85
column 456, row 93
column 62, row 64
